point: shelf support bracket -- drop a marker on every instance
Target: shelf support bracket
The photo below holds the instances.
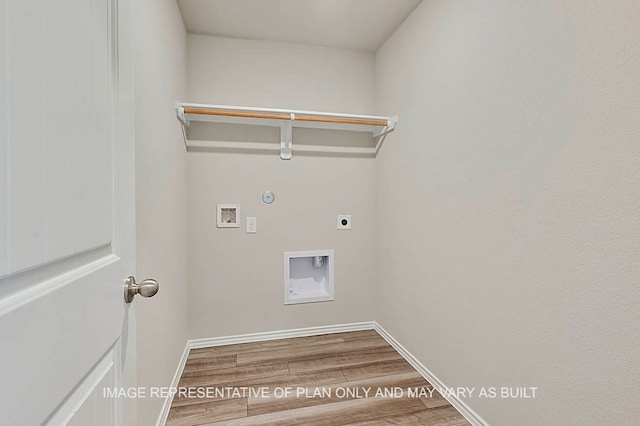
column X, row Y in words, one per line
column 393, row 122
column 286, row 138
column 180, row 115
column 184, row 123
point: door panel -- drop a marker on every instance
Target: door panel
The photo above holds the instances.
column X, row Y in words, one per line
column 3, row 154
column 55, row 339
column 79, row 186
column 67, row 205
column 26, row 171
column 90, row 405
column 60, row 130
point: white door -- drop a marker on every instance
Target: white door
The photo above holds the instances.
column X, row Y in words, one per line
column 66, row 210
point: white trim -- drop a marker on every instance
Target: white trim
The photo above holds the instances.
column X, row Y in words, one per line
column 457, row 403
column 51, row 277
column 282, row 334
column 166, row 406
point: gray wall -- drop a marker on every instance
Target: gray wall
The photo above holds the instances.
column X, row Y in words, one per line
column 236, row 279
column 161, row 196
column 516, row 166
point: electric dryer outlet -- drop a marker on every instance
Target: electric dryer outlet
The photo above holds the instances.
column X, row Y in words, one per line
column 344, row 221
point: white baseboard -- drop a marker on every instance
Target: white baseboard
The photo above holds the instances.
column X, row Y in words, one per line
column 282, row 334
column 164, row 413
column 459, row 405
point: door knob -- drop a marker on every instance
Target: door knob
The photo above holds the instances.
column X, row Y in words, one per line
column 146, row 288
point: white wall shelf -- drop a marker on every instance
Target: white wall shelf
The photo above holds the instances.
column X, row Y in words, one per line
column 286, row 120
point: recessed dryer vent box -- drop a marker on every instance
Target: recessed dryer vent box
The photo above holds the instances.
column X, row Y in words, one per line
column 308, row 276
column 228, row 215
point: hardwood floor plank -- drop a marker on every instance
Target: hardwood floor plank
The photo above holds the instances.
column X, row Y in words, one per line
column 306, row 396
column 311, row 352
column 375, row 369
column 435, row 400
column 315, row 378
column 243, row 348
column 335, row 414
column 193, row 415
column 214, row 377
column 357, row 335
column 345, row 360
column 208, row 363
column 438, row 417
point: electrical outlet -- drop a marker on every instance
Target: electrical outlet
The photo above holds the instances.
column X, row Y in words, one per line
column 252, row 225
column 344, row 221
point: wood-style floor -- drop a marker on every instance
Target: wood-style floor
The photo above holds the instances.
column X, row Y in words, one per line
column 327, row 375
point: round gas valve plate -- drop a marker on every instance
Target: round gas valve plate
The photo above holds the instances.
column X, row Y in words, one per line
column 268, row 197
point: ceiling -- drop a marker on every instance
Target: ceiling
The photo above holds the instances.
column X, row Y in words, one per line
column 351, row 24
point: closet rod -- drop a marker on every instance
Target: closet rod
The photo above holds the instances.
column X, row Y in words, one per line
column 342, row 120
column 237, row 114
column 320, row 119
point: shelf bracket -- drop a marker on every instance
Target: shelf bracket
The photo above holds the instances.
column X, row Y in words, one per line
column 184, row 123
column 393, row 121
column 180, row 115
column 286, row 138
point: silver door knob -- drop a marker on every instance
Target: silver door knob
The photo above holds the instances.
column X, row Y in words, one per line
column 146, row 288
